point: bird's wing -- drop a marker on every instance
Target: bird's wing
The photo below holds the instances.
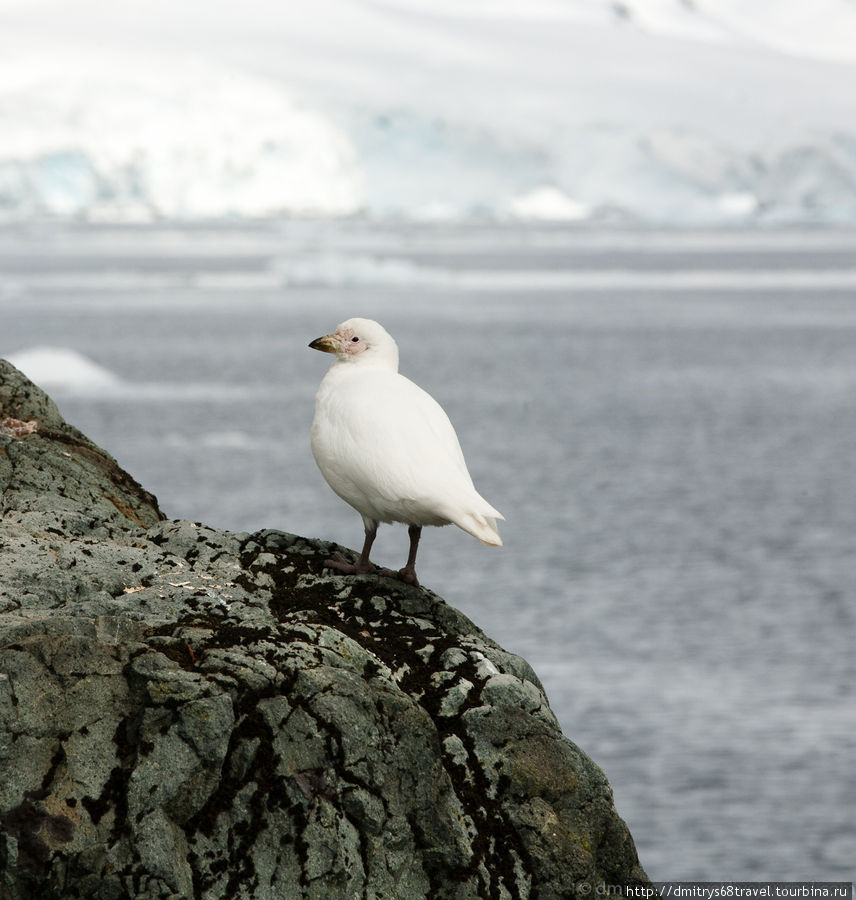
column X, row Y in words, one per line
column 385, row 437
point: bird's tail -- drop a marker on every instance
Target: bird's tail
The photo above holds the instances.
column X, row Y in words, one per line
column 481, row 527
column 478, row 518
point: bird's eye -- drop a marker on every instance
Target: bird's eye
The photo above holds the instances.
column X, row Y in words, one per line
column 355, row 340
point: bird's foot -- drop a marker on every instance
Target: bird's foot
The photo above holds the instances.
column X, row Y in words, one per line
column 407, row 575
column 340, row 564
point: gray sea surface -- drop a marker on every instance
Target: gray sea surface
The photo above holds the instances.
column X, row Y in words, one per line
column 666, row 419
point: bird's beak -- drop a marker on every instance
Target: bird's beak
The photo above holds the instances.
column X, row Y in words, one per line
column 327, row 344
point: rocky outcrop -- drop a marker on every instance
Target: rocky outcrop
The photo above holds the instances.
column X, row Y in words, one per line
column 187, row 712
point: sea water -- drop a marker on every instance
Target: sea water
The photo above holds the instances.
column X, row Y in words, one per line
column 666, row 419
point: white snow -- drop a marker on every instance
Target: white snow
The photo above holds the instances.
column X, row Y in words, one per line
column 738, row 204
column 61, row 368
column 547, row 204
column 65, row 371
column 133, row 142
column 666, row 111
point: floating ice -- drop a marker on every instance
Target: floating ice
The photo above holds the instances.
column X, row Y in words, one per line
column 54, row 368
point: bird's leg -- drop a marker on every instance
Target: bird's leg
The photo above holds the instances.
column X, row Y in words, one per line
column 363, row 565
column 408, row 573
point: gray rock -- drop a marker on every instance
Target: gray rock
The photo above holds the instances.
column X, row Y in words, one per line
column 187, row 712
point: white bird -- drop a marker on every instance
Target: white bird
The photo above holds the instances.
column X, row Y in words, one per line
column 388, row 449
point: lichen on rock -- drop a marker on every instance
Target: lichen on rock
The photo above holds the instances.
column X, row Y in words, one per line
column 189, row 712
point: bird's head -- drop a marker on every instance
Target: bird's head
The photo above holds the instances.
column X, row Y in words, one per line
column 360, row 341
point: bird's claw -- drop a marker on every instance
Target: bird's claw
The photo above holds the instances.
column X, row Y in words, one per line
column 340, row 564
column 408, row 576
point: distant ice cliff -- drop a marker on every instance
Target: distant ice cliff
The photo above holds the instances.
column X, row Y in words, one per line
column 184, row 142
column 645, row 110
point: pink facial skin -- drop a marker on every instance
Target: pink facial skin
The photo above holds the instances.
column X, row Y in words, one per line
column 349, row 342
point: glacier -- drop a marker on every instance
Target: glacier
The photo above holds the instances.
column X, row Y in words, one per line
column 649, row 111
column 105, row 142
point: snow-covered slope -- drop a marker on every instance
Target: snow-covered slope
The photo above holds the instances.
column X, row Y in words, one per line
column 656, row 110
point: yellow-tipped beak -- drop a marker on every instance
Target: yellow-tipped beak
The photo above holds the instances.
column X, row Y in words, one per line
column 326, row 344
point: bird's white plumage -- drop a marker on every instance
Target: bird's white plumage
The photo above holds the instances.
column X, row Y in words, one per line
column 386, row 447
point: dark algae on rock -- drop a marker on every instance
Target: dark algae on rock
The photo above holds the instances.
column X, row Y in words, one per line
column 192, row 713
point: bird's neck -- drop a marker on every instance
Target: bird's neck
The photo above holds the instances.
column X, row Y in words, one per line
column 366, row 364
